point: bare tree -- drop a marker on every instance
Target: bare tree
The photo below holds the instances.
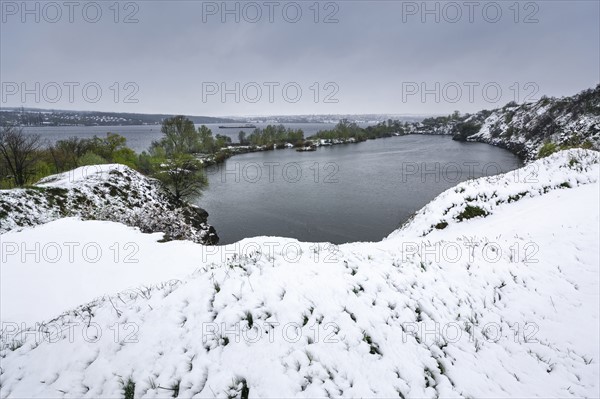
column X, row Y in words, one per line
column 66, row 153
column 18, row 153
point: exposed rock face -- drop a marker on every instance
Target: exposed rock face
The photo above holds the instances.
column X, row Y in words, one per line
column 106, row 192
column 523, row 129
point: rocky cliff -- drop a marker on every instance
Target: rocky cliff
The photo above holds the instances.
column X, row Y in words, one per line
column 524, row 128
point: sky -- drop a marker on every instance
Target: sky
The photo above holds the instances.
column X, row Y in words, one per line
column 294, row 58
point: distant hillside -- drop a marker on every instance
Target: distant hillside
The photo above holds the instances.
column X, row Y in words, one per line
column 41, row 117
column 524, row 128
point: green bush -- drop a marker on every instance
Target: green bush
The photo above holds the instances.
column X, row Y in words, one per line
column 465, row 129
column 547, row 150
column 471, row 212
column 90, row 158
column 125, row 157
column 441, row 225
column 128, row 389
column 42, row 169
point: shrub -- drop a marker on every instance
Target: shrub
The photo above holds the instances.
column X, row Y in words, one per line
column 465, row 129
column 441, row 225
column 90, row 158
column 221, row 156
column 471, row 212
column 573, row 162
column 146, row 163
column 587, row 145
column 125, row 157
column 547, row 150
column 42, row 169
column 129, row 389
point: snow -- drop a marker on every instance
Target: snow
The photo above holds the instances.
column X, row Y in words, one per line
column 92, row 254
column 104, row 192
column 505, row 305
column 524, row 129
column 565, row 168
column 567, row 124
column 83, row 174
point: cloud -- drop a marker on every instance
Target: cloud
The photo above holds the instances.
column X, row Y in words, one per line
column 364, row 61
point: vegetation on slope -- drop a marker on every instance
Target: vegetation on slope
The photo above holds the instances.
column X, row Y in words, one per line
column 107, row 192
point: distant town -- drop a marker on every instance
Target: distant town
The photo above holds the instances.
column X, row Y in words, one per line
column 43, row 117
column 20, row 116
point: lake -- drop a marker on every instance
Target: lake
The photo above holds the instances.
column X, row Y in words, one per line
column 344, row 193
column 338, row 194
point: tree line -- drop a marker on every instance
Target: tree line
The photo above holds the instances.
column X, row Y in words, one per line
column 346, row 130
column 173, row 159
column 177, row 158
column 272, row 135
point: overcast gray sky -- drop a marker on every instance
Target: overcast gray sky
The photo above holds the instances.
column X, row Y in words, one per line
column 176, row 57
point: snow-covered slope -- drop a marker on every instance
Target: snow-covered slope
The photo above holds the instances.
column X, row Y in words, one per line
column 523, row 129
column 481, row 197
column 505, row 305
column 105, row 192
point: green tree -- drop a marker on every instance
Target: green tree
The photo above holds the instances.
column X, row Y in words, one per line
column 222, row 141
column 184, row 175
column 146, row 163
column 242, row 137
column 91, row 158
column 207, row 141
column 172, row 158
column 180, row 136
column 113, row 148
column 465, row 129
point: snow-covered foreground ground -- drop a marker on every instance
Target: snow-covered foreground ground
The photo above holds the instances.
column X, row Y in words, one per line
column 495, row 306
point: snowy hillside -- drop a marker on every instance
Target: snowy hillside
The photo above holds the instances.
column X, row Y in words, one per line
column 105, row 192
column 524, row 128
column 499, row 303
column 482, row 197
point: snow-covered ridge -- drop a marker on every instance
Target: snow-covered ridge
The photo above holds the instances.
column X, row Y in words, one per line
column 481, row 197
column 366, row 320
column 524, row 128
column 105, row 192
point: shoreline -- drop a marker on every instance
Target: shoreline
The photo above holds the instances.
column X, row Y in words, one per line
column 233, row 150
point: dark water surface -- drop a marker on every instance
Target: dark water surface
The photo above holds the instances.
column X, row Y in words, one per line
column 344, row 193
